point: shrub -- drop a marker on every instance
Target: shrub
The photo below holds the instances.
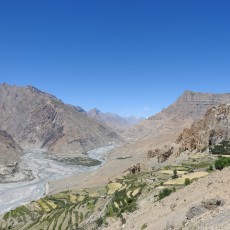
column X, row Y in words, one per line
column 187, row 181
column 165, row 192
column 123, row 220
column 210, row 168
column 99, row 221
column 144, row 226
column 222, row 162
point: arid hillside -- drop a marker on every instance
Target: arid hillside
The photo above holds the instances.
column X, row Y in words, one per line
column 39, row 120
column 206, row 207
column 164, row 127
column 10, row 151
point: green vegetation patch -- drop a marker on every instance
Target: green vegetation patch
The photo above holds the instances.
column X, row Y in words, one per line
column 222, row 162
column 113, row 187
column 223, row 148
column 83, row 161
column 125, row 200
column 191, row 176
column 165, row 192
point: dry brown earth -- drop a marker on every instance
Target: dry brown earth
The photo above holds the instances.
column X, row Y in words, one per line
column 189, row 208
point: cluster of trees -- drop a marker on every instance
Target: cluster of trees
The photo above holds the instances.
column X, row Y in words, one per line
column 222, row 148
column 222, row 162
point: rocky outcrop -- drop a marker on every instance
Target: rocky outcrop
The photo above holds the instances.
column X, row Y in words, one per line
column 165, row 155
column 162, row 154
column 134, row 169
column 10, row 151
column 192, row 105
column 207, row 131
column 39, row 120
column 198, row 209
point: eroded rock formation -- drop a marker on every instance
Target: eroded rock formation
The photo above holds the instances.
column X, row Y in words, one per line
column 207, row 131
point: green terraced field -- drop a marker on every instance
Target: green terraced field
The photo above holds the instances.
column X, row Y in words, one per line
column 92, row 207
column 69, row 210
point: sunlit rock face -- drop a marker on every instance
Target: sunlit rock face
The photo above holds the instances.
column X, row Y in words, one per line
column 207, row 131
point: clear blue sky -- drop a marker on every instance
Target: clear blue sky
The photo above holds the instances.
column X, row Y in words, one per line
column 124, row 56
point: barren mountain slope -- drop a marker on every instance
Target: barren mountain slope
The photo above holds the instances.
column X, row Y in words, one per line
column 39, row 120
column 164, row 127
column 188, row 107
column 9, row 149
column 114, row 121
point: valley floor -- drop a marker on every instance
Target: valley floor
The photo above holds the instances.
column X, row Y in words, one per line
column 44, row 170
column 131, row 201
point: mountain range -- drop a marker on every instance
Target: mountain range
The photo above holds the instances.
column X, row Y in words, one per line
column 37, row 120
column 152, row 156
column 164, row 127
column 116, row 122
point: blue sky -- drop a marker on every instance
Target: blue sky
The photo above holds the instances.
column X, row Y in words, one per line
column 123, row 56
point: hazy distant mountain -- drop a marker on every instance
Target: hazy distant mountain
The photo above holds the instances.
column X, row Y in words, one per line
column 133, row 120
column 39, row 120
column 113, row 120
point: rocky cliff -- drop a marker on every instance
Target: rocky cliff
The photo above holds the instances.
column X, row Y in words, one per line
column 9, row 149
column 39, row 120
column 192, row 105
column 207, row 131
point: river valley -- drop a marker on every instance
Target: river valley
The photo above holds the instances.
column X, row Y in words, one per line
column 43, row 170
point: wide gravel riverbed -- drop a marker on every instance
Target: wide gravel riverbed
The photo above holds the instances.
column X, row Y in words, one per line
column 44, row 170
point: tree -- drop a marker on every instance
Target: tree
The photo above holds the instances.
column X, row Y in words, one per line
column 222, row 148
column 99, row 221
column 174, row 174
